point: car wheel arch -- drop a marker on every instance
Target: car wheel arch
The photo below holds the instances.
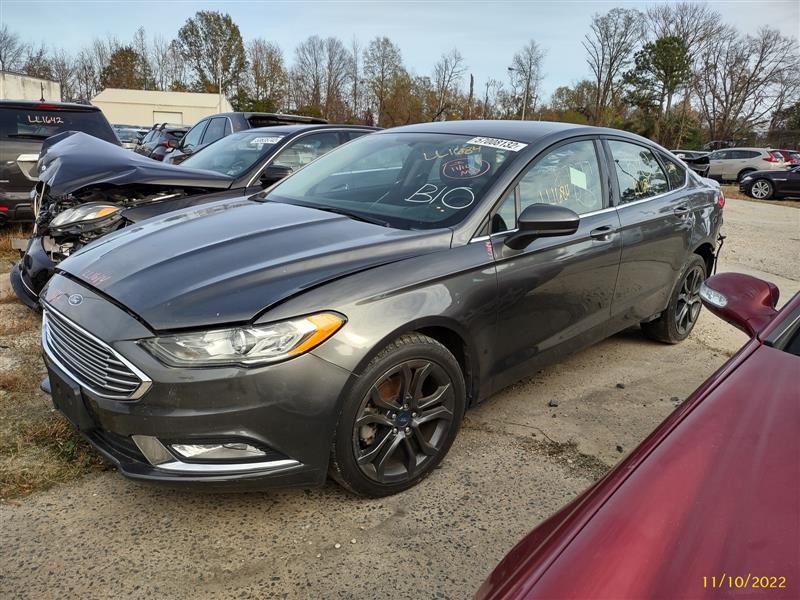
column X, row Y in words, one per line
column 706, row 252
column 447, row 333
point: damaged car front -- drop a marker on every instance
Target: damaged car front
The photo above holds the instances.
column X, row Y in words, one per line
column 88, row 188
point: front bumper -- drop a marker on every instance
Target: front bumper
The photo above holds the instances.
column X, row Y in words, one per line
column 288, row 410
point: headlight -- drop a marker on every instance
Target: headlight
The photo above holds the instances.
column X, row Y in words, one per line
column 85, row 212
column 248, row 346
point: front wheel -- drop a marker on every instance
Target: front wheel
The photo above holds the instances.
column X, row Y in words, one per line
column 677, row 321
column 400, row 419
column 761, row 189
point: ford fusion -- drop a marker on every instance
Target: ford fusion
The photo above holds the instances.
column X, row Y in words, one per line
column 341, row 321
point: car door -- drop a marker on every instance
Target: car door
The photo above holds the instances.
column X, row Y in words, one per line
column 656, row 221
column 555, row 295
column 717, row 163
column 189, row 142
column 791, row 185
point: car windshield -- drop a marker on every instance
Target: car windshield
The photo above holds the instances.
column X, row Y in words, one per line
column 234, row 154
column 405, row 180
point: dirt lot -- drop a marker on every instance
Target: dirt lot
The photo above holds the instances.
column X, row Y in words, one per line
column 515, row 462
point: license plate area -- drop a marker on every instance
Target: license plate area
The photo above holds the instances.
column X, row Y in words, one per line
column 68, row 399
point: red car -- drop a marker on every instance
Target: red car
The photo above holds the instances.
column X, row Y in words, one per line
column 790, row 156
column 709, row 504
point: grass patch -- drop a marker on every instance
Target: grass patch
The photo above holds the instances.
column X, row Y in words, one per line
column 7, row 253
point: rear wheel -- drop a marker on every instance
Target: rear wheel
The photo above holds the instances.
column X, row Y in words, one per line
column 677, row 321
column 400, row 419
column 761, row 189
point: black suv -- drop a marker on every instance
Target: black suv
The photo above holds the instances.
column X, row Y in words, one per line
column 24, row 125
column 160, row 140
column 216, row 127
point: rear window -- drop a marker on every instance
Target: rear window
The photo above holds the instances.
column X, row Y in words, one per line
column 777, row 155
column 19, row 123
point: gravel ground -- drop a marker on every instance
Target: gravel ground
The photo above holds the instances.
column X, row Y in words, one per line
column 516, row 461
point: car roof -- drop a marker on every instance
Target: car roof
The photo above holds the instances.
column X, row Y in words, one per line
column 288, row 129
column 278, row 117
column 39, row 105
column 520, row 131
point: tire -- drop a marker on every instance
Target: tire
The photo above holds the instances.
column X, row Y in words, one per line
column 397, row 444
column 762, row 189
column 742, row 173
column 674, row 325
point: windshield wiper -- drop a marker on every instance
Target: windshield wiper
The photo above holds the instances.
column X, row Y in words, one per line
column 354, row 216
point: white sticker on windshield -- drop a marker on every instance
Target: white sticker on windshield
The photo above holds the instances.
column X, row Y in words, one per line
column 497, row 143
column 266, row 140
column 577, row 178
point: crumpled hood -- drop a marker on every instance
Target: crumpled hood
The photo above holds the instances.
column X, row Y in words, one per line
column 228, row 261
column 73, row 160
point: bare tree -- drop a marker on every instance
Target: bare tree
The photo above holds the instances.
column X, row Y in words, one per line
column 745, row 79
column 696, row 24
column 267, row 75
column 354, row 76
column 610, row 46
column 526, row 73
column 337, row 64
column 447, row 75
column 491, row 90
column 12, row 50
column 308, row 73
column 382, row 64
column 62, row 66
column 37, row 62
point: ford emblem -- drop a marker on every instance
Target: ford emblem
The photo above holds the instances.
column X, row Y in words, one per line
column 75, row 299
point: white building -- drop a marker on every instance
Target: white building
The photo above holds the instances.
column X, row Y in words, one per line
column 15, row 86
column 146, row 107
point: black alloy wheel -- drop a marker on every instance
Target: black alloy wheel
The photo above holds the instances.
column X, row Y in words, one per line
column 689, row 305
column 400, row 419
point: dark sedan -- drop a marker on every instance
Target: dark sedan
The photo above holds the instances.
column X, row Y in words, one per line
column 343, row 320
column 764, row 185
column 708, row 506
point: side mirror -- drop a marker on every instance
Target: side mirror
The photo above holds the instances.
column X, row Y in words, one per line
column 746, row 302
column 543, row 220
column 274, row 173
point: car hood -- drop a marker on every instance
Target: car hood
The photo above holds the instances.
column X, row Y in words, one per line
column 228, row 261
column 73, row 160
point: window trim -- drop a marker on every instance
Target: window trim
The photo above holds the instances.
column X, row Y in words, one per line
column 662, row 158
column 604, row 182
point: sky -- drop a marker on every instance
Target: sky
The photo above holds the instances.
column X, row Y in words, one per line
column 487, row 33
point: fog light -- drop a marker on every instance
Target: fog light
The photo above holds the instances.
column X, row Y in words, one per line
column 228, row 452
column 713, row 297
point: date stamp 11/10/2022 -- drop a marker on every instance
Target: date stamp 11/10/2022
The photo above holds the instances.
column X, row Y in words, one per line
column 739, row 582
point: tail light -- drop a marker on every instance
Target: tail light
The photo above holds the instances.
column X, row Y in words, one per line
column 721, row 199
column 169, row 144
column 771, row 158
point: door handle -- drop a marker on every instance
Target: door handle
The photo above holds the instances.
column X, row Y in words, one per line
column 681, row 210
column 602, row 233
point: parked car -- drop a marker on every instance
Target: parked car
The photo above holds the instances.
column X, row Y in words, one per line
column 23, row 127
column 216, row 127
column 704, row 507
column 734, row 163
column 343, row 319
column 129, row 138
column 763, row 185
column 160, row 139
column 792, row 157
column 89, row 189
column 695, row 159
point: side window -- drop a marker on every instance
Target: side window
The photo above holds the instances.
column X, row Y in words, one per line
column 638, row 172
column 351, row 135
column 215, row 130
column 567, row 176
column 719, row 155
column 676, row 174
column 306, row 149
column 192, row 137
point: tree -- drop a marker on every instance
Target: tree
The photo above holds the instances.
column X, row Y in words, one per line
column 12, row 50
column 447, row 74
column 382, row 64
column 610, row 46
column 661, row 68
column 337, row 65
column 526, row 72
column 267, row 75
column 144, row 70
column 744, row 80
column 37, row 63
column 308, row 74
column 123, row 70
column 62, row 66
column 212, row 45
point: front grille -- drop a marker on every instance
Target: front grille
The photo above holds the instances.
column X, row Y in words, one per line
column 93, row 363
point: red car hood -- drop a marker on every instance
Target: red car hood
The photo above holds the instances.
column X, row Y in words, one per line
column 718, row 496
